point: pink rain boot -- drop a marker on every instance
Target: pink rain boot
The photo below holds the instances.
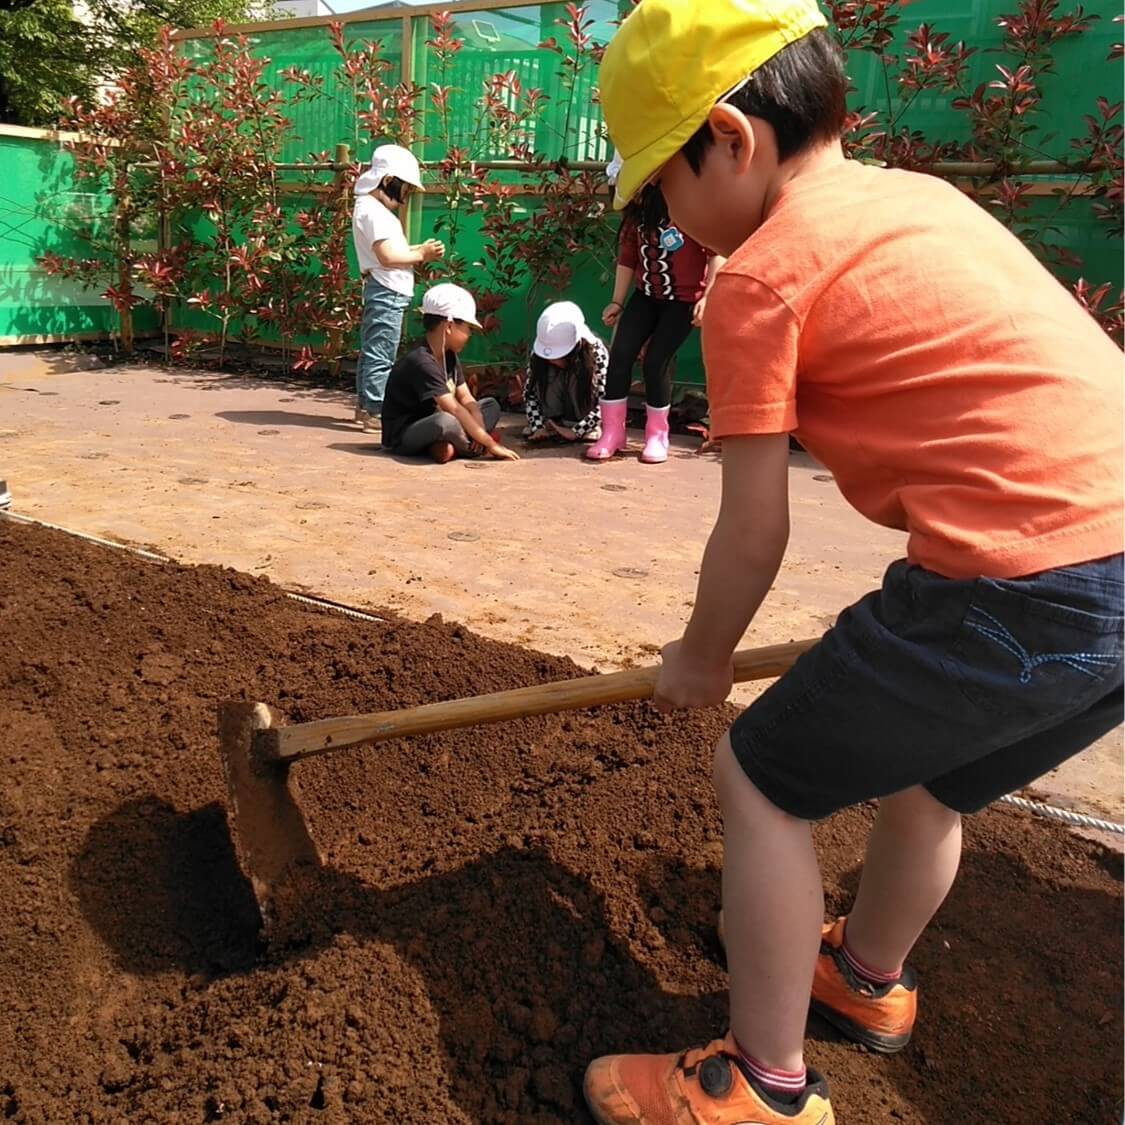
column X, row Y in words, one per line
column 656, row 435
column 613, row 430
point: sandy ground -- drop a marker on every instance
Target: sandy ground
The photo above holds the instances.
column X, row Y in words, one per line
column 595, row 562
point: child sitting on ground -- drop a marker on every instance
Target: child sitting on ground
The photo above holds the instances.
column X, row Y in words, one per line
column 565, row 377
column 957, row 392
column 429, row 410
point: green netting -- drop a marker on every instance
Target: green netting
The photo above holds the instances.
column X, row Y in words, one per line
column 509, row 40
column 506, row 39
column 322, row 123
column 44, row 209
column 1082, row 73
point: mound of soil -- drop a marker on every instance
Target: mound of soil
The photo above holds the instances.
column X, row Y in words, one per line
column 503, row 904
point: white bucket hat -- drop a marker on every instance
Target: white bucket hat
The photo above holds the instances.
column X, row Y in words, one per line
column 390, row 160
column 452, row 302
column 560, row 327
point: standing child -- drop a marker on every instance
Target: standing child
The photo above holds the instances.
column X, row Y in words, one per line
column 565, row 377
column 387, row 264
column 957, row 392
column 670, row 274
column 429, row 410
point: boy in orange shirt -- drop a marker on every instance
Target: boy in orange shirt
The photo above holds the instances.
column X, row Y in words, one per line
column 957, row 392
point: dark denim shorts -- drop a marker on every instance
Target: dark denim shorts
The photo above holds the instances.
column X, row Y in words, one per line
column 971, row 688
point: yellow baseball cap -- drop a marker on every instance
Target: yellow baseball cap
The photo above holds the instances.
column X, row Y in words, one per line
column 671, row 61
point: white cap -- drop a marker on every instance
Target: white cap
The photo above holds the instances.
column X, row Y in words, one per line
column 452, row 302
column 560, row 328
column 613, row 168
column 390, row 160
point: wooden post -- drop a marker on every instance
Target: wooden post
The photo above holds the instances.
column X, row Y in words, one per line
column 125, row 279
column 413, row 215
column 343, row 162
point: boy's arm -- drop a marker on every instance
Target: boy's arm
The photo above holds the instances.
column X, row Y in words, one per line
column 472, row 426
column 394, row 252
column 466, row 399
column 714, row 264
column 739, row 565
column 623, row 279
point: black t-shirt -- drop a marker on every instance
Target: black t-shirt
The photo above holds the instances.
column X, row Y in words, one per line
column 414, row 383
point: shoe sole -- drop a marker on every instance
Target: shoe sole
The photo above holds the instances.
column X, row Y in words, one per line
column 872, row 1040
column 594, row 1113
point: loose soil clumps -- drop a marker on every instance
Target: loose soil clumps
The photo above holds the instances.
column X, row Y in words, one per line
column 502, row 904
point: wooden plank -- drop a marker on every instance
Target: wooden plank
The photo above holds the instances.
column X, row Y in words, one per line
column 67, row 338
column 54, row 135
column 363, row 15
column 407, row 68
column 53, row 338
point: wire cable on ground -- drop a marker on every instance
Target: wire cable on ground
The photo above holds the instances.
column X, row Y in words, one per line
column 151, row 556
column 1078, row 820
column 1036, row 808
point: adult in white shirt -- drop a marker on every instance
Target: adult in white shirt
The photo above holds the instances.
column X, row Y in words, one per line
column 386, row 261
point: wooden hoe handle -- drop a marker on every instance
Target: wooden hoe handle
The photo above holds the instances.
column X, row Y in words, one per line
column 303, row 740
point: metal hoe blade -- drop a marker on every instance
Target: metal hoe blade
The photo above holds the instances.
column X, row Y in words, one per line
column 271, row 840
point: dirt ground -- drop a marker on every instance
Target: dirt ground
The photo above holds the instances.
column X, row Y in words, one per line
column 501, row 904
column 592, row 562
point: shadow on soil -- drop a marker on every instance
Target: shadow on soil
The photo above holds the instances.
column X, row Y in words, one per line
column 991, row 991
column 288, row 418
column 517, row 956
column 164, row 891
column 515, row 951
column 299, row 387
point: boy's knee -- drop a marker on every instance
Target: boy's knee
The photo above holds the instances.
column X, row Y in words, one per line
column 915, row 806
column 738, row 795
column 451, row 431
column 442, row 452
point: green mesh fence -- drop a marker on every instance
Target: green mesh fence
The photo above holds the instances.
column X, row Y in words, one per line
column 320, row 124
column 44, row 209
column 509, row 40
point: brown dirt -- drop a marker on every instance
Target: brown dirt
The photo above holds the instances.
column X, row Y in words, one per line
column 503, row 904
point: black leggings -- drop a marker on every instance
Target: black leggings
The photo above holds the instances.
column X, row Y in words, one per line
column 664, row 326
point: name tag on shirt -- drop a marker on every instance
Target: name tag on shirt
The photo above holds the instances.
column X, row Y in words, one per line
column 671, row 240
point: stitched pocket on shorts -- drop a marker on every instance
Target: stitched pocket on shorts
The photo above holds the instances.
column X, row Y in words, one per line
column 1021, row 656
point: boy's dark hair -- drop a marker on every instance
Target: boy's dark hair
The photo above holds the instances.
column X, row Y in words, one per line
column 579, row 365
column 393, row 188
column 801, row 92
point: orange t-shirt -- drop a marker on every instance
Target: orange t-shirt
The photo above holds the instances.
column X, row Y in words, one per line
column 917, row 348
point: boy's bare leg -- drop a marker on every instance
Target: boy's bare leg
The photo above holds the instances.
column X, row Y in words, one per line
column 912, row 859
column 773, row 909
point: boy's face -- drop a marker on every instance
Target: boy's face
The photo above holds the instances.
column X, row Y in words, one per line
column 723, row 205
column 459, row 333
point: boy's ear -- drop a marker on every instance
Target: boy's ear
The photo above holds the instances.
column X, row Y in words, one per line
column 733, row 135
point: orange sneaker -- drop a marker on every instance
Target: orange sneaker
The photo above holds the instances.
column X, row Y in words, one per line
column 881, row 1017
column 700, row 1086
